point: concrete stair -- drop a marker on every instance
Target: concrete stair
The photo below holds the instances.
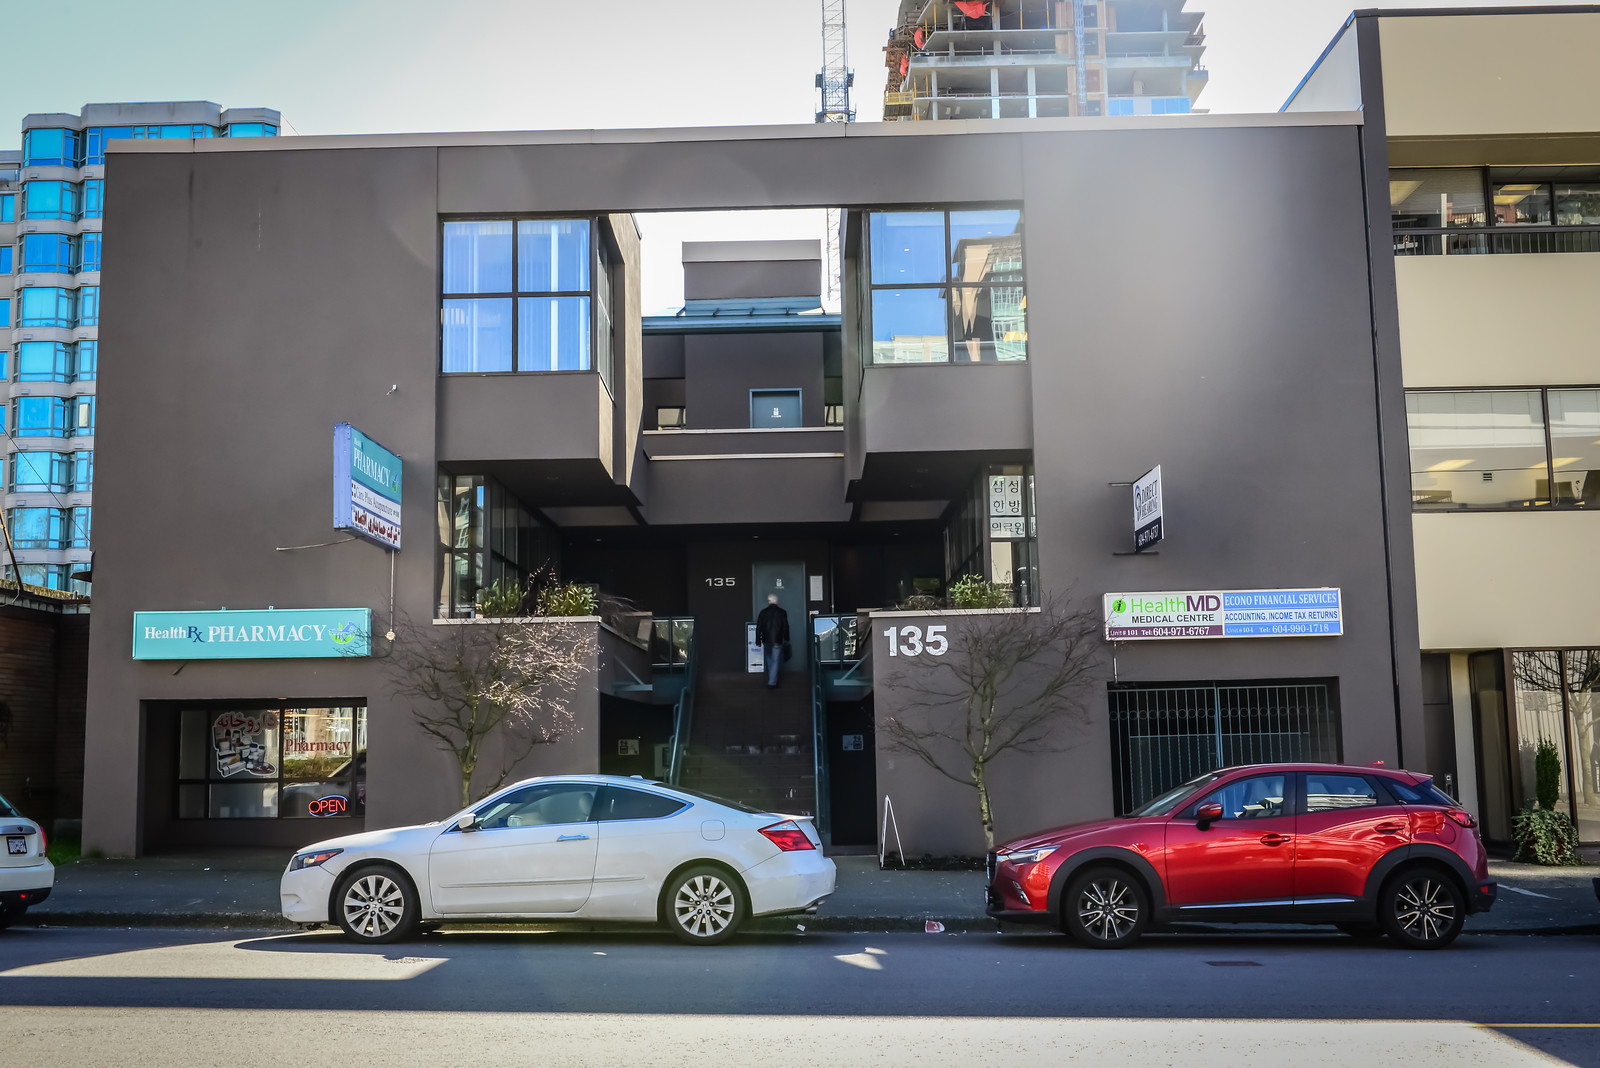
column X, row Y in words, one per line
column 753, row 744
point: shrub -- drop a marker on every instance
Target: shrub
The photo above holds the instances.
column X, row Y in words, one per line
column 1547, row 774
column 501, row 599
column 1545, row 836
column 970, row 591
column 567, row 599
column 920, row 602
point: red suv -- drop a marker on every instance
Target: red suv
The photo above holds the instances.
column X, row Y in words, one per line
column 1370, row 850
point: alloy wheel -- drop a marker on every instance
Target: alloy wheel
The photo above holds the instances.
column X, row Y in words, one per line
column 1108, row 909
column 704, row 906
column 374, row 905
column 1425, row 909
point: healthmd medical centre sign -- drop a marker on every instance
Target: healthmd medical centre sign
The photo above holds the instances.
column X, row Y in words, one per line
column 252, row 635
column 1224, row 614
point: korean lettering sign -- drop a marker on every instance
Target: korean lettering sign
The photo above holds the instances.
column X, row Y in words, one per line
column 1007, row 517
column 1224, row 614
column 366, row 487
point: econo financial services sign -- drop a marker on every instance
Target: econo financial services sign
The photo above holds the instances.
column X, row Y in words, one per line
column 1224, row 614
column 250, row 635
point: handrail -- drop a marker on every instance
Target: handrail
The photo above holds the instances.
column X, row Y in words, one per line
column 819, row 742
column 683, row 713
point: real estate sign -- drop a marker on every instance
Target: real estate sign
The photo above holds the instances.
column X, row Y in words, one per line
column 252, row 635
column 1147, row 509
column 1224, row 614
column 366, row 487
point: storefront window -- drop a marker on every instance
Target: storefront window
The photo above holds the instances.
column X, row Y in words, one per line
column 994, row 532
column 1583, row 715
column 1556, row 699
column 265, row 763
column 486, row 535
column 1536, row 681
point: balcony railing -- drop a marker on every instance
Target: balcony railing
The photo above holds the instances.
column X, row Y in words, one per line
column 1501, row 239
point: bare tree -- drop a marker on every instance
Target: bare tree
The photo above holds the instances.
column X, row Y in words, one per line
column 467, row 681
column 1011, row 682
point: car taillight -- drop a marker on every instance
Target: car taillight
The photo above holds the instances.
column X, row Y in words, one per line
column 1462, row 817
column 787, row 836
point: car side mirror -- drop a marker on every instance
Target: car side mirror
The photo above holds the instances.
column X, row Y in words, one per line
column 468, row 822
column 1207, row 814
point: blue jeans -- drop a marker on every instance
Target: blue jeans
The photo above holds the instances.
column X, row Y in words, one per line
column 772, row 661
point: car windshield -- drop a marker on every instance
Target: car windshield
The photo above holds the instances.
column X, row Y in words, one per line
column 1169, row 800
column 702, row 795
column 7, row 811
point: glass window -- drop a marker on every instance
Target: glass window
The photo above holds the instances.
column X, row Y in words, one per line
column 1521, row 204
column 86, row 360
column 1575, row 441
column 89, row 306
column 93, row 201
column 6, row 262
column 38, row 528
column 602, row 326
column 48, row 254
column 1258, row 797
column 553, row 333
column 8, row 207
column 1577, row 205
column 50, row 200
column 552, row 255
column 539, row 806
column 477, row 334
column 50, row 471
column 46, row 307
column 251, row 129
column 672, row 418
column 1326, row 793
column 324, row 761
column 1583, row 697
column 907, row 247
column 5, row 311
column 1422, row 793
column 44, row 361
column 51, row 148
column 39, row 417
column 84, row 407
column 1477, row 449
column 1436, row 199
column 1537, row 684
column 477, row 257
column 80, row 526
column 620, row 803
column 83, row 470
column 256, row 763
column 88, row 255
column 5, row 365
column 909, row 326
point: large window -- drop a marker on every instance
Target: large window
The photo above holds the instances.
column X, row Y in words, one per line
column 1476, row 210
column 8, row 207
column 993, row 534
column 50, row 472
column 89, row 302
column 272, row 762
column 49, row 254
column 38, row 528
column 52, row 148
column 86, row 360
column 1557, row 700
column 88, row 255
column 83, row 470
column 93, row 200
column 7, row 264
column 947, row 286
column 40, row 417
column 51, row 200
column 250, row 129
column 47, row 307
column 1509, row 448
column 44, row 361
column 517, row 295
column 485, row 536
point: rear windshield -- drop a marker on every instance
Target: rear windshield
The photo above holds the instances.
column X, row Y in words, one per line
column 1169, row 800
column 1422, row 793
column 740, row 805
column 7, row 811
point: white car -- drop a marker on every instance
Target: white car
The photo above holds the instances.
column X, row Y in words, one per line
column 26, row 877
column 567, row 847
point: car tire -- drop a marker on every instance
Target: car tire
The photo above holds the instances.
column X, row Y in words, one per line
column 1105, row 908
column 375, row 904
column 1361, row 932
column 705, row 906
column 1421, row 908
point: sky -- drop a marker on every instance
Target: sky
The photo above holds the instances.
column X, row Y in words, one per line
column 398, row 66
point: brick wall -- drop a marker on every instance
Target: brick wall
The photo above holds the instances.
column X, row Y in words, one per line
column 43, row 667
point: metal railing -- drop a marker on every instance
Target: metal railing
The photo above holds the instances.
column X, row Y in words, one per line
column 819, row 746
column 1505, row 240
column 1165, row 735
column 683, row 707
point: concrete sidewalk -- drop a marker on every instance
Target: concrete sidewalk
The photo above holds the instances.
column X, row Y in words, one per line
column 241, row 890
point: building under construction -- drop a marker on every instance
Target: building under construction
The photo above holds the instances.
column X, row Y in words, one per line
column 980, row 59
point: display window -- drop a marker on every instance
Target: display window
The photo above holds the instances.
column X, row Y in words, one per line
column 285, row 762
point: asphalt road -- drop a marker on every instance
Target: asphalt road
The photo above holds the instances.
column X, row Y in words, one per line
column 143, row 996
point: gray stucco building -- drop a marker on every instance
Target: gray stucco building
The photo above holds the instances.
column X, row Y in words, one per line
column 1033, row 310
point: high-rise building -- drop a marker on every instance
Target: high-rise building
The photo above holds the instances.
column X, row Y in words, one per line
column 994, row 59
column 52, row 197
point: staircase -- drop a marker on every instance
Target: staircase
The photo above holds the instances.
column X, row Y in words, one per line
column 752, row 744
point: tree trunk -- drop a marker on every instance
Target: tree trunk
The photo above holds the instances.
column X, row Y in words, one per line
column 981, row 781
column 467, row 768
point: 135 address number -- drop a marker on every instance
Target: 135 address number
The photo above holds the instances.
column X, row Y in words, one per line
column 910, row 641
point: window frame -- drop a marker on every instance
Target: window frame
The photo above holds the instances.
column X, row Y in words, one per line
column 280, row 780
column 948, row 286
column 599, row 231
column 1551, row 503
column 1491, row 229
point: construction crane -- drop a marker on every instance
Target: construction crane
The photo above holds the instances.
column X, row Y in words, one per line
column 834, row 79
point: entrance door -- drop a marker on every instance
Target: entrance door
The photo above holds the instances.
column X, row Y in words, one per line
column 1246, row 856
column 788, row 581
column 774, row 407
column 532, row 853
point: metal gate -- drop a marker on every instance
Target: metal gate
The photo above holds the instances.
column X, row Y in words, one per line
column 1165, row 735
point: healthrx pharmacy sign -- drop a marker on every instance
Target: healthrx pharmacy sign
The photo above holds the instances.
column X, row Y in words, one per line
column 366, row 487
column 252, row 635
column 1224, row 614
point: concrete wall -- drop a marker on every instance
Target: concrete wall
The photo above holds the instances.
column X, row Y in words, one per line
column 1499, row 320
column 1503, row 579
column 720, row 370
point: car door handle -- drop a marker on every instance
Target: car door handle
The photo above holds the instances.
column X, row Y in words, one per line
column 573, row 838
column 1275, row 839
column 1389, row 828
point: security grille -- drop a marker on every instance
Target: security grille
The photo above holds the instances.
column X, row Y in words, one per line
column 1164, row 735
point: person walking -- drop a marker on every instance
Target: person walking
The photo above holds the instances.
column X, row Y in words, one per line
column 772, row 632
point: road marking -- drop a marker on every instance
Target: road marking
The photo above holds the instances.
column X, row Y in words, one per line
column 1526, row 893
column 1502, row 1027
column 294, row 957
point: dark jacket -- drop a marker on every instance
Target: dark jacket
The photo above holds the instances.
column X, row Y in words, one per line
column 772, row 626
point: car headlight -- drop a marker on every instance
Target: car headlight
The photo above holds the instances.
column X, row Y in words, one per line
column 311, row 860
column 1027, row 856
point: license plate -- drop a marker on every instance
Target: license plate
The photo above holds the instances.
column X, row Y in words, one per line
column 16, row 845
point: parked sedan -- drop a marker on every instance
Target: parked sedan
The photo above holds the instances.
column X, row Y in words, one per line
column 1371, row 850
column 591, row 847
column 26, row 876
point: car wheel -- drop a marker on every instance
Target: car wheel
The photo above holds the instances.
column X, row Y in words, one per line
column 1105, row 908
column 1363, row 932
column 705, row 906
column 1421, row 909
column 375, row 904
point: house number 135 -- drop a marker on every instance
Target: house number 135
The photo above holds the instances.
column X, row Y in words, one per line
column 909, row 640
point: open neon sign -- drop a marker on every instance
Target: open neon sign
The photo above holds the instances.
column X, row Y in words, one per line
column 332, row 805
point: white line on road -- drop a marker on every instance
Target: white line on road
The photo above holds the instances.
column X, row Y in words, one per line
column 1525, row 893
